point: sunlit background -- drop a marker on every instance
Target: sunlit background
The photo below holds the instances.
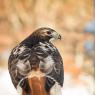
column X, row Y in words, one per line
column 18, row 18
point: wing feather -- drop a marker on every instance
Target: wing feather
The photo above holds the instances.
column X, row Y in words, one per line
column 44, row 55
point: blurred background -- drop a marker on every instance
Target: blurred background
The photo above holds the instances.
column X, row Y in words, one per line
column 73, row 19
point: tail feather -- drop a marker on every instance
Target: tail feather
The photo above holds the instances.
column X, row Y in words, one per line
column 37, row 86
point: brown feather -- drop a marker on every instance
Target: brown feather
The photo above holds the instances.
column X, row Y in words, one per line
column 37, row 86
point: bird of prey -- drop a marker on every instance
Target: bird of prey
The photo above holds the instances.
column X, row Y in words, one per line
column 35, row 64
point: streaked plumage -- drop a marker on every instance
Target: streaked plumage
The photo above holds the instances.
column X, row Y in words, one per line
column 35, row 65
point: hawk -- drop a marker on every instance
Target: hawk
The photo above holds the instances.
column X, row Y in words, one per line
column 35, row 65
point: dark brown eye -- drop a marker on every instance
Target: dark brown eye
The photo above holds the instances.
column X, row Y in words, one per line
column 48, row 32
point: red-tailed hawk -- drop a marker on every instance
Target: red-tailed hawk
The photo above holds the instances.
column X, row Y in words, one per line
column 35, row 64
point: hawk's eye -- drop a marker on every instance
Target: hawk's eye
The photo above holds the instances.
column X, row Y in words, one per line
column 48, row 32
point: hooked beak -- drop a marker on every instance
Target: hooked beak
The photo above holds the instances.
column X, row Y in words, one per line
column 59, row 37
column 55, row 35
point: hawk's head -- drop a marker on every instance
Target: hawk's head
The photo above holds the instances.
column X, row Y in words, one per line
column 46, row 34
